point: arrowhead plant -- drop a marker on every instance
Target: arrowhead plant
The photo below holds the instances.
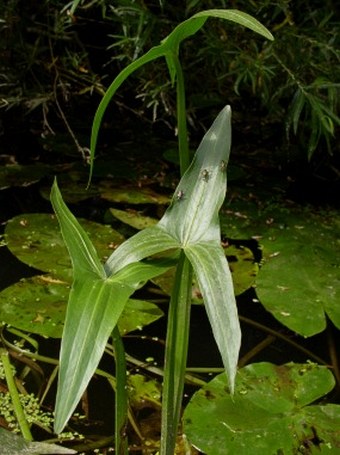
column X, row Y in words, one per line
column 190, row 227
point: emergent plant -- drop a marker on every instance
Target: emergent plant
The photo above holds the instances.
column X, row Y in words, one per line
column 189, row 232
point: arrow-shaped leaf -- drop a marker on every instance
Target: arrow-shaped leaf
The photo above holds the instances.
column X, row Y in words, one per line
column 95, row 304
column 191, row 223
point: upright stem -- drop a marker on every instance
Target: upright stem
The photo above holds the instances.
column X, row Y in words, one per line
column 183, row 145
column 176, row 355
column 121, row 405
column 18, row 409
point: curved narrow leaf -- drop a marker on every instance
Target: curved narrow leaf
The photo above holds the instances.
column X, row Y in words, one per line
column 82, row 252
column 168, row 48
column 239, row 17
column 215, row 282
column 153, row 53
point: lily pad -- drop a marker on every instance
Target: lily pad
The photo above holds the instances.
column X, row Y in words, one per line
column 38, row 305
column 270, row 412
column 73, row 191
column 299, row 282
column 133, row 195
column 36, row 240
column 143, row 392
column 133, row 218
column 137, row 314
column 243, row 267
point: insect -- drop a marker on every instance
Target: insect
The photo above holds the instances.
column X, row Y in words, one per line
column 205, row 175
column 223, row 166
column 180, row 195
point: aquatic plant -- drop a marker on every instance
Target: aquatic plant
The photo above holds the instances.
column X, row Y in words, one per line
column 189, row 226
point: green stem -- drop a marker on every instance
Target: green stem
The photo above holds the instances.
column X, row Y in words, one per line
column 121, row 405
column 183, row 145
column 176, row 355
column 18, row 409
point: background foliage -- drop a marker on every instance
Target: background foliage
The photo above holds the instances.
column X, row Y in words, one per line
column 57, row 61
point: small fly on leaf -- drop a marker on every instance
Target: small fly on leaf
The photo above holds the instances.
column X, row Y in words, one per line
column 223, row 166
column 180, row 195
column 205, row 175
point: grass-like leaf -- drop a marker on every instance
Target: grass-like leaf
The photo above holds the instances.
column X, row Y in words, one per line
column 169, row 49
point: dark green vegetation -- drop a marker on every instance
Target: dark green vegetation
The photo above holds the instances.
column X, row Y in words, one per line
column 58, row 60
column 281, row 409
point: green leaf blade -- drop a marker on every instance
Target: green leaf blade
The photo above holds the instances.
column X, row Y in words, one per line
column 151, row 55
column 145, row 243
column 214, row 278
column 83, row 254
column 239, row 17
column 93, row 311
column 193, row 214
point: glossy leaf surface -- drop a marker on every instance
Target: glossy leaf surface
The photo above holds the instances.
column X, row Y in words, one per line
column 38, row 305
column 270, row 412
column 95, row 304
column 298, row 281
column 36, row 240
column 192, row 223
column 99, row 295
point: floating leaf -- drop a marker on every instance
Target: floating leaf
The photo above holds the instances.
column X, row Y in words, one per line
column 268, row 413
column 36, row 240
column 299, row 282
column 38, row 305
column 243, row 267
column 143, row 392
column 133, row 195
column 73, row 191
column 133, row 218
column 137, row 314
